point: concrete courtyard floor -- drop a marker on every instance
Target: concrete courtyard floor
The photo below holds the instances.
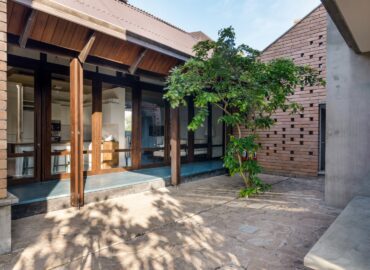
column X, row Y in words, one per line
column 199, row 225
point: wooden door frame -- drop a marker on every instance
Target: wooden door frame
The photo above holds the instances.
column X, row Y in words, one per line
column 34, row 66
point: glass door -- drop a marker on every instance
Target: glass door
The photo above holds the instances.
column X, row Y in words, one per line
column 59, row 141
column 152, row 128
column 201, row 140
column 217, row 133
column 116, row 131
column 21, row 122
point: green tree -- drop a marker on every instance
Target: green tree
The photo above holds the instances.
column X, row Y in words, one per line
column 246, row 89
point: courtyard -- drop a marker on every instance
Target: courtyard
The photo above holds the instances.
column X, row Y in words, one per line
column 198, row 225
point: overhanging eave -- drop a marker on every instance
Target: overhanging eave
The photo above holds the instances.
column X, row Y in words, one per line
column 352, row 20
column 83, row 19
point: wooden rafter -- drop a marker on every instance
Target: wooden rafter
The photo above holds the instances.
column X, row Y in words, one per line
column 87, row 48
column 27, row 29
column 137, row 62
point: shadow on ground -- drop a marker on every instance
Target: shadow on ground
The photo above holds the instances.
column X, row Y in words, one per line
column 200, row 225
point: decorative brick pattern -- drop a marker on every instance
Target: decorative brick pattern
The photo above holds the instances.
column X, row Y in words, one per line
column 3, row 95
column 291, row 147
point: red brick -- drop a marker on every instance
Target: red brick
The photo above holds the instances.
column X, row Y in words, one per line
column 291, row 45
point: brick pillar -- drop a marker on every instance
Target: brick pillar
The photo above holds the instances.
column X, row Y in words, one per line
column 3, row 95
column 6, row 199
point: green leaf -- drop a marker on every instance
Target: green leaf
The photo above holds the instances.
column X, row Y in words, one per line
column 248, row 91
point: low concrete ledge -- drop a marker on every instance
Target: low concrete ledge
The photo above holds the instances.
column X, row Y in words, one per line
column 346, row 244
column 9, row 200
column 62, row 202
column 5, row 223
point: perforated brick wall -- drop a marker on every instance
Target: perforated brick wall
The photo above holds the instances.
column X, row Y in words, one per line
column 3, row 95
column 291, row 147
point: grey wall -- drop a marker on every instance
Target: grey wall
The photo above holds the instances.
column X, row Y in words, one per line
column 348, row 121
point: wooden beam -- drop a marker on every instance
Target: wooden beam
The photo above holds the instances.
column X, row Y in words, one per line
column 76, row 107
column 27, row 29
column 175, row 147
column 87, row 48
column 137, row 62
column 158, row 48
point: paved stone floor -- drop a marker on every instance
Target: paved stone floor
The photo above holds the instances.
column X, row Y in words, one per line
column 200, row 225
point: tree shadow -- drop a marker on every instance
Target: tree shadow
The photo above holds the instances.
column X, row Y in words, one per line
column 141, row 231
column 200, row 225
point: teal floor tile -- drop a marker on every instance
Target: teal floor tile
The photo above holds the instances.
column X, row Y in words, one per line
column 42, row 191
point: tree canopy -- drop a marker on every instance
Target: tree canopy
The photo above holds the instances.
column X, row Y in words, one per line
column 248, row 91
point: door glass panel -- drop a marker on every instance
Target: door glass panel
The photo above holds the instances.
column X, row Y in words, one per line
column 87, row 124
column 20, row 123
column 61, row 124
column 152, row 128
column 184, row 132
column 117, row 126
column 217, row 132
column 217, row 151
column 201, row 140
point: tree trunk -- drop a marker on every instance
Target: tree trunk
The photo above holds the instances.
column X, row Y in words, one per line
column 245, row 177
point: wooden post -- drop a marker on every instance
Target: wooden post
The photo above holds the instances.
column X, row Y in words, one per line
column 167, row 128
column 43, row 114
column 136, row 128
column 76, row 107
column 96, row 124
column 175, row 146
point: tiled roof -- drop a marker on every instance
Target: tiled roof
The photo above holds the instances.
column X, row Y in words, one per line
column 200, row 36
column 119, row 19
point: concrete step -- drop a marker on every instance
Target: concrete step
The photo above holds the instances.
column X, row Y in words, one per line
column 346, row 244
column 106, row 187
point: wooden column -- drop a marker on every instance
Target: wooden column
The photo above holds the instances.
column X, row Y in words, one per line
column 175, row 146
column 76, row 107
column 167, row 128
column 136, row 128
column 43, row 119
column 96, row 123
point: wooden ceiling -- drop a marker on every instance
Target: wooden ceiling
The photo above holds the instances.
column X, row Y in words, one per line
column 56, row 31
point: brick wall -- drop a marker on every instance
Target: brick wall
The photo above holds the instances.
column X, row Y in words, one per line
column 3, row 94
column 291, row 147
